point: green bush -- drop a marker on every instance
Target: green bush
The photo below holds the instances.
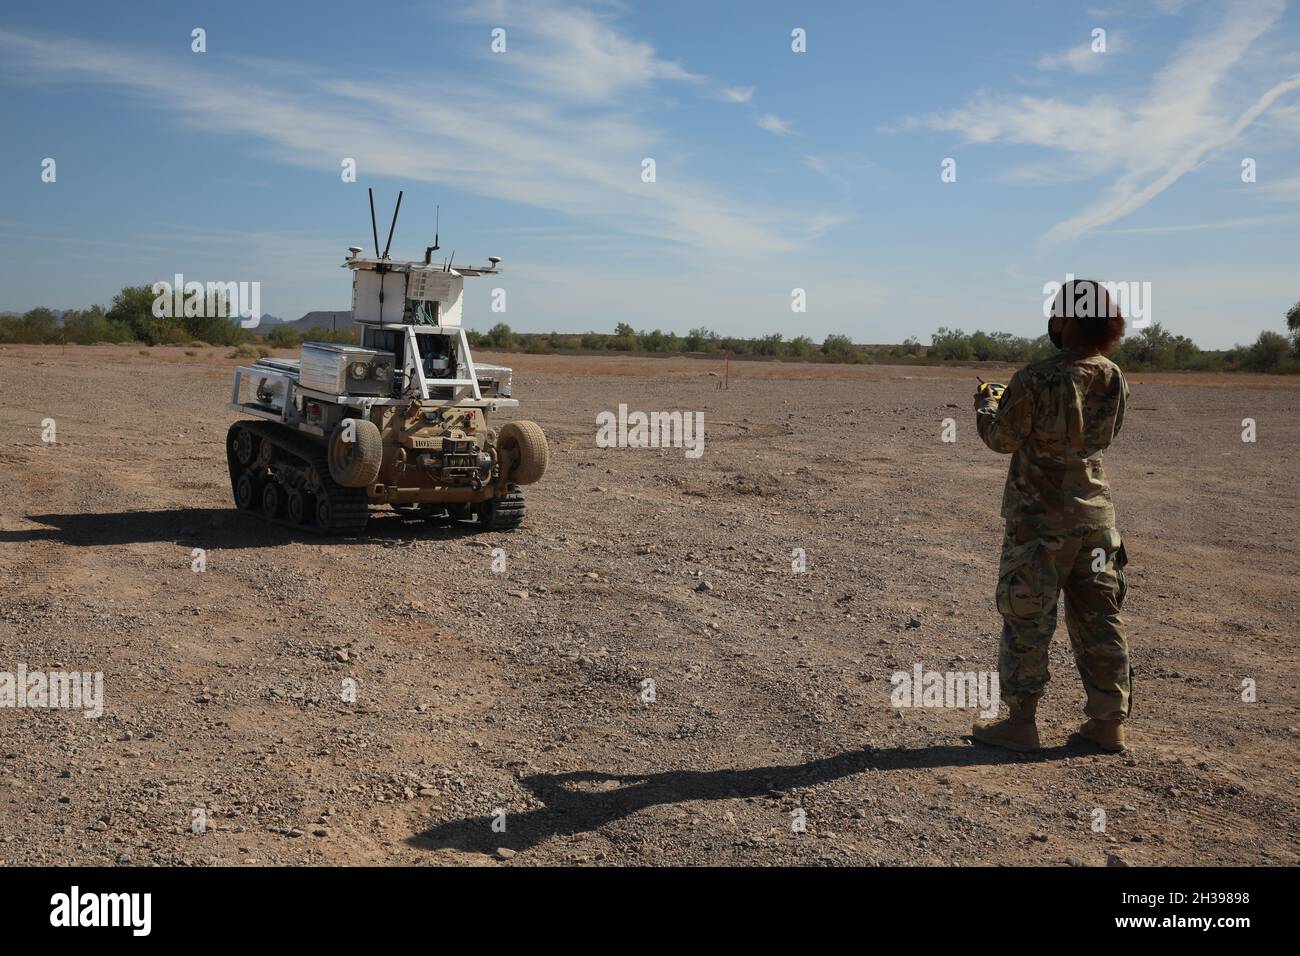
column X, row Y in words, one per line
column 801, row 347
column 1156, row 348
column 701, row 340
column 951, row 345
column 500, row 337
column 840, row 348
column 284, row 337
column 1268, row 353
column 33, row 327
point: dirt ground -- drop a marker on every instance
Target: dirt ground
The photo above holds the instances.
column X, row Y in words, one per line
column 517, row 698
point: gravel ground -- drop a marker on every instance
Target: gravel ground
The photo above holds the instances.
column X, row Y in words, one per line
column 503, row 718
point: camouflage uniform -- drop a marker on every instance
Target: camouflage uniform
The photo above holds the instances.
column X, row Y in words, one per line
column 1055, row 419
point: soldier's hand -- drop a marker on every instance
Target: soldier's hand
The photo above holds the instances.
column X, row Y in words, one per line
column 991, row 390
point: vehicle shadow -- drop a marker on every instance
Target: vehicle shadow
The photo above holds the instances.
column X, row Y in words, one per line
column 569, row 808
column 216, row 528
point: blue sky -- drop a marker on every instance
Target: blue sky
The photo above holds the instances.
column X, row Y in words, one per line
column 775, row 170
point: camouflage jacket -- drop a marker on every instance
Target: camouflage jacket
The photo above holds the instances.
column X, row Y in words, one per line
column 1055, row 419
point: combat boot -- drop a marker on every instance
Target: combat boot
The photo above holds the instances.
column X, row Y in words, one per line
column 1017, row 732
column 1106, row 734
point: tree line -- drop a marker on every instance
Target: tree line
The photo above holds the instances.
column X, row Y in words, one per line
column 130, row 318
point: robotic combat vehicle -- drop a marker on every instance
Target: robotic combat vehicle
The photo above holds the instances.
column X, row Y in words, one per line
column 399, row 420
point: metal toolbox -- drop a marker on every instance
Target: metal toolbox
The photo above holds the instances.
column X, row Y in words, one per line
column 345, row 369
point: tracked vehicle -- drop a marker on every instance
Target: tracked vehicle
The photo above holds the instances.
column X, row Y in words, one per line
column 400, row 420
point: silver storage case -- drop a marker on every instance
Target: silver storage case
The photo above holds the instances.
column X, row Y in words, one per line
column 327, row 368
column 494, row 380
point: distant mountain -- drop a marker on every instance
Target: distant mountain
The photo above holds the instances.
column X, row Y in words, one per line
column 325, row 320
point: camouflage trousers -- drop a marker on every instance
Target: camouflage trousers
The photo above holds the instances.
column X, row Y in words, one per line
column 1088, row 565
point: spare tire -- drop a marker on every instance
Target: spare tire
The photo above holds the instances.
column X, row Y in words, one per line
column 525, row 444
column 355, row 463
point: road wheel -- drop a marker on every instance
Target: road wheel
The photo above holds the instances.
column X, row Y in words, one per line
column 272, row 499
column 524, row 444
column 296, row 506
column 245, row 447
column 355, row 463
column 246, row 496
column 265, row 452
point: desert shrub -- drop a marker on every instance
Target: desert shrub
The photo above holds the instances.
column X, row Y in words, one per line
column 951, row 345
column 800, row 346
column 1268, row 353
column 500, row 337
column 284, row 337
column 840, row 348
column 33, row 327
column 1154, row 347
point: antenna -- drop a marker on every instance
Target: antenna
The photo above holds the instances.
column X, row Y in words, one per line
column 450, row 261
column 374, row 228
column 430, row 250
column 393, row 226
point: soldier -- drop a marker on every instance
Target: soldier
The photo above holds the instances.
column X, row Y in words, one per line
column 1056, row 418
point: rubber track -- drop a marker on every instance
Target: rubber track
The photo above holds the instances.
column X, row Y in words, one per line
column 508, row 512
column 349, row 507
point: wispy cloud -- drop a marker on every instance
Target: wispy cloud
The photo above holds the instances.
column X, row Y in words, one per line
column 564, row 141
column 1281, row 188
column 737, row 94
column 1081, row 58
column 571, row 52
column 1144, row 144
column 1242, row 223
column 773, row 124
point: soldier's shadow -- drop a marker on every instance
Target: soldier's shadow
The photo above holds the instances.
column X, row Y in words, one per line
column 585, row 800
